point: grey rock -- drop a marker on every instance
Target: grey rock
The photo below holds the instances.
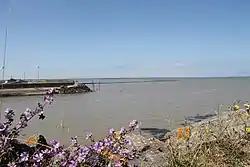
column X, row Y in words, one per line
column 151, row 151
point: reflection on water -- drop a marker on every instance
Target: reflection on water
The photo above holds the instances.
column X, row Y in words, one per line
column 158, row 105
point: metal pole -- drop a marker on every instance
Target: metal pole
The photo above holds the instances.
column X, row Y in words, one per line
column 38, row 73
column 5, row 50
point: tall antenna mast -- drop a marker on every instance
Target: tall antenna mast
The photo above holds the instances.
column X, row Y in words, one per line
column 5, row 50
column 5, row 47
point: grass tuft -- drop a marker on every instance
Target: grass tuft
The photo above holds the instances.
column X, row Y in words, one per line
column 222, row 141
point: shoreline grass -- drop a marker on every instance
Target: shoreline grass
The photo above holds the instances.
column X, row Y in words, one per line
column 221, row 141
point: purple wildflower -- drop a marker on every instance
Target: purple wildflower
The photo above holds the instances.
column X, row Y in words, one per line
column 36, row 165
column 24, row 157
column 95, row 161
column 2, row 127
column 118, row 164
column 73, row 163
column 63, row 164
column 22, row 123
column 98, row 146
column 111, row 132
column 128, row 142
column 12, row 164
column 27, row 113
column 49, row 97
column 38, row 157
column 9, row 115
column 81, row 157
column 108, row 142
column 8, row 112
column 74, row 140
column 55, row 144
column 60, row 155
column 82, row 154
column 88, row 136
column 122, row 130
column 46, row 151
column 133, row 124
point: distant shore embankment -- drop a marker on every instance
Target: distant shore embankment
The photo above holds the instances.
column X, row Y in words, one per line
column 36, row 89
column 35, row 85
column 23, row 92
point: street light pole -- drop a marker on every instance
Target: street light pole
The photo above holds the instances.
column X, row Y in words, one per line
column 38, row 73
column 4, row 54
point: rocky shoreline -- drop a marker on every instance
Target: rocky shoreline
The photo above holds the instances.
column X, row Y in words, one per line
column 226, row 125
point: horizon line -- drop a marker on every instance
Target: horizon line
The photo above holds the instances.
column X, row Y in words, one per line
column 87, row 78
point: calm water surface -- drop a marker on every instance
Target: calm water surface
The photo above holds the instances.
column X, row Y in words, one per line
column 117, row 104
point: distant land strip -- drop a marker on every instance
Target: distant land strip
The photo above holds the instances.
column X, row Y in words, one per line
column 117, row 82
column 83, row 81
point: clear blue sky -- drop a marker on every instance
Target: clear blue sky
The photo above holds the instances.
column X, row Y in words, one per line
column 126, row 38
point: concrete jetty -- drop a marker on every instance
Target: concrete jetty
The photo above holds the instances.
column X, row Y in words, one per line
column 35, row 91
column 16, row 85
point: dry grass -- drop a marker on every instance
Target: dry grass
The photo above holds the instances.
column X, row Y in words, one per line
column 221, row 142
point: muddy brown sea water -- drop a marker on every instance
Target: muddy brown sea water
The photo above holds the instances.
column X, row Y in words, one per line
column 115, row 105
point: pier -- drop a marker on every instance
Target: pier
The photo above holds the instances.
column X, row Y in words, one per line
column 35, row 85
column 40, row 88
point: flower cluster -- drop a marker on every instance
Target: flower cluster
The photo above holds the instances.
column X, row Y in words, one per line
column 186, row 135
column 114, row 150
